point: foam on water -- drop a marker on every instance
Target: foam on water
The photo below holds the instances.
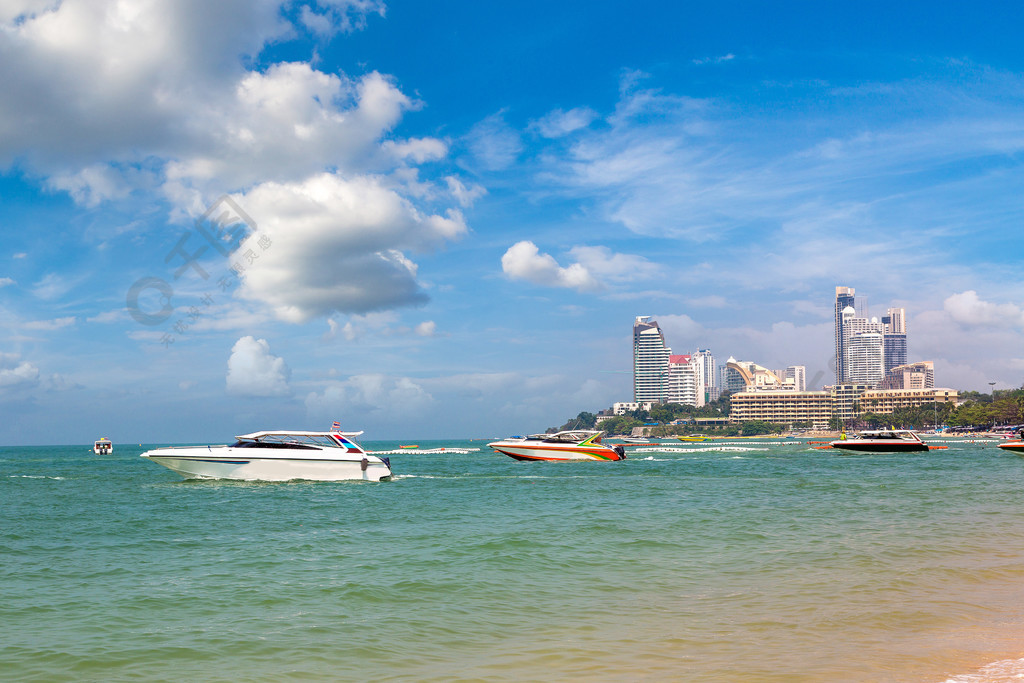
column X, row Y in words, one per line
column 1005, row 671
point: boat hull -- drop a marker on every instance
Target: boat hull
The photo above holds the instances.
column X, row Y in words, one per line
column 248, row 464
column 879, row 446
column 1016, row 446
column 554, row 453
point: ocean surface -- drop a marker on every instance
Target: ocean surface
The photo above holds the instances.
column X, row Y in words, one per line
column 770, row 562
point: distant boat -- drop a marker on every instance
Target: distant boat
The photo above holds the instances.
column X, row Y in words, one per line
column 103, row 446
column 692, row 438
column 413, row 445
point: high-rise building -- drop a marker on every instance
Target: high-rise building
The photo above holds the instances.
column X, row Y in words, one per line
column 685, row 380
column 844, row 300
column 650, row 361
column 892, row 327
column 895, row 339
column 707, row 364
column 864, row 359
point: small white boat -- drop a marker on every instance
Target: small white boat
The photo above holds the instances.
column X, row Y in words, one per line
column 561, row 446
column 103, row 446
column 883, row 441
column 277, row 456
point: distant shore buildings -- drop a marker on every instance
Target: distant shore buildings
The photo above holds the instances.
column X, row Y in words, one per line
column 872, row 374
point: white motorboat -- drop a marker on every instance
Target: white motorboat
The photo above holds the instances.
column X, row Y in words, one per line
column 561, row 446
column 277, row 456
column 103, row 446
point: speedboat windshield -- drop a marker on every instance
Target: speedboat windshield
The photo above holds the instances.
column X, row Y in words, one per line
column 285, row 440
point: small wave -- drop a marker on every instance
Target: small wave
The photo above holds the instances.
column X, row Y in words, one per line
column 33, row 476
column 998, row 672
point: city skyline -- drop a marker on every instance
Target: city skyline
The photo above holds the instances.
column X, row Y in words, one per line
column 437, row 221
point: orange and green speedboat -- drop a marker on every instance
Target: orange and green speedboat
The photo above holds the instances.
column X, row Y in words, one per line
column 578, row 444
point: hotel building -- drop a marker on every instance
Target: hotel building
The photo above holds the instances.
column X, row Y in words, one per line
column 844, row 401
column 685, row 381
column 920, row 375
column 650, row 361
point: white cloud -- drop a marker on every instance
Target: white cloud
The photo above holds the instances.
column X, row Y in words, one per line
column 615, row 267
column 465, row 196
column 335, row 246
column 16, row 372
column 54, row 324
column 969, row 310
column 333, row 16
column 254, row 371
column 493, row 143
column 6, row 282
column 370, row 393
column 427, row 328
column 595, row 267
column 559, row 123
column 51, row 286
column 91, row 185
column 523, row 261
column 102, row 100
column 715, row 60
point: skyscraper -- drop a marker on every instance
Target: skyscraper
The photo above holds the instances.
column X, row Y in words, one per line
column 844, row 300
column 707, row 364
column 895, row 338
column 864, row 359
column 650, row 361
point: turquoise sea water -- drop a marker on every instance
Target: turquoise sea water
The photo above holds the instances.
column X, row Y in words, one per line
column 775, row 563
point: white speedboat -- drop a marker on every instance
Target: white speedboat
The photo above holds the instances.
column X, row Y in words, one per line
column 884, row 441
column 561, row 446
column 277, row 456
column 103, row 446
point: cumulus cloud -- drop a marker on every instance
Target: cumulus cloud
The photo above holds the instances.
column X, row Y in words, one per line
column 427, row 328
column 102, row 100
column 16, row 372
column 523, row 261
column 6, row 281
column 595, row 266
column 335, row 246
column 969, row 310
column 254, row 371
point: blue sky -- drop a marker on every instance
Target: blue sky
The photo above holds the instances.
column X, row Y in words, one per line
column 453, row 211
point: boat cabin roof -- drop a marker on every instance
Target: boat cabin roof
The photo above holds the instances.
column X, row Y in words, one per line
column 303, row 438
column 889, row 434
